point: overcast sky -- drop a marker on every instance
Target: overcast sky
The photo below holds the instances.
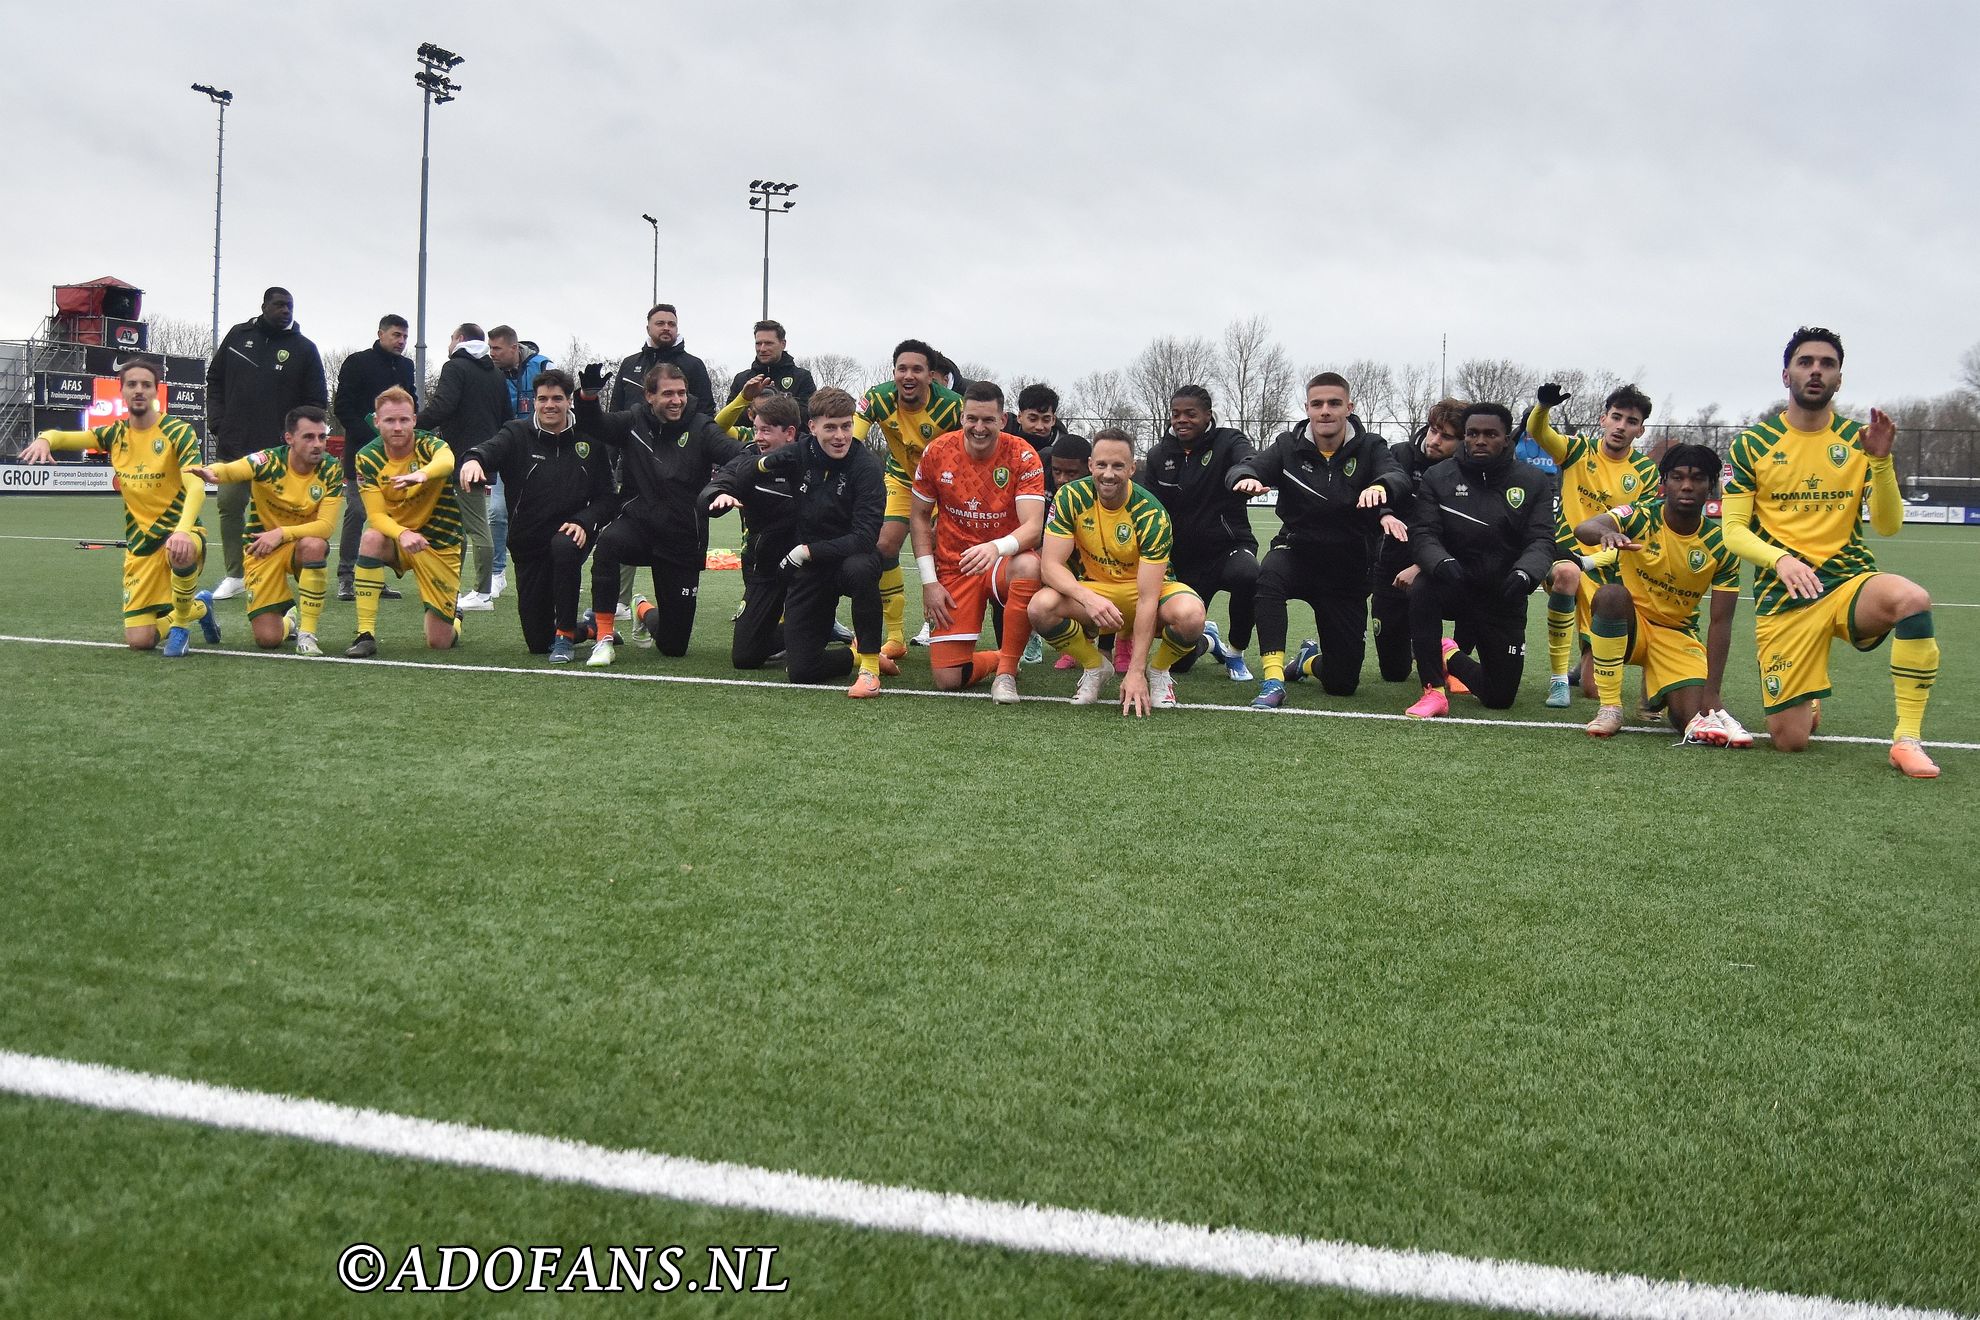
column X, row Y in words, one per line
column 1667, row 188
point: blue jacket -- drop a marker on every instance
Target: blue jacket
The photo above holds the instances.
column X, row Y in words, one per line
column 522, row 380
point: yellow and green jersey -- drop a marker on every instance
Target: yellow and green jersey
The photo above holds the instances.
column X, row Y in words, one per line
column 150, row 464
column 429, row 508
column 908, row 433
column 1592, row 483
column 1110, row 544
column 303, row 503
column 1808, row 489
column 1672, row 572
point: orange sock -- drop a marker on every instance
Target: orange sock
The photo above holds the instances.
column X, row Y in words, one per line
column 568, row 634
column 1017, row 626
column 639, row 615
column 981, row 666
column 601, row 625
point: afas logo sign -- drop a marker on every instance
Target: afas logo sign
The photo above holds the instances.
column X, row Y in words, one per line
column 108, row 402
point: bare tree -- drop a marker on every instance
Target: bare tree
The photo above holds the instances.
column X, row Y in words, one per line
column 174, row 337
column 1104, row 398
column 980, row 371
column 1969, row 371
column 1254, row 378
column 1493, row 380
column 1418, row 387
column 1159, row 370
column 839, row 370
column 1371, row 387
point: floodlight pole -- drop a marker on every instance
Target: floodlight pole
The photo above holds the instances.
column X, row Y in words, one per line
column 769, row 197
column 221, row 99
column 656, row 256
column 434, row 86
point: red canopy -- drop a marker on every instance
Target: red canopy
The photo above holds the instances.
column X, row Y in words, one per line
column 87, row 298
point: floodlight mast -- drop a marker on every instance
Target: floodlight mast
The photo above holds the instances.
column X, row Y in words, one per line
column 436, row 88
column 770, row 198
column 222, row 99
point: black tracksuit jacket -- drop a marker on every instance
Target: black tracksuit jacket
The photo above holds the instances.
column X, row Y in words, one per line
column 1491, row 518
column 1317, row 494
column 256, row 376
column 549, row 479
column 840, row 502
column 769, row 511
column 1194, row 485
column 629, row 389
column 663, row 468
column 786, row 377
column 1393, row 556
column 364, row 376
column 470, row 401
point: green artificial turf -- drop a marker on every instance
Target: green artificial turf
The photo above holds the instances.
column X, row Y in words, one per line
column 1499, row 992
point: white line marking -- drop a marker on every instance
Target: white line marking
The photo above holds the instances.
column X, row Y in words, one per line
column 1235, row 1252
column 571, row 672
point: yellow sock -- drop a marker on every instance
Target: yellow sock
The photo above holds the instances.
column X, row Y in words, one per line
column 1170, row 648
column 1274, row 664
column 869, row 662
column 369, row 578
column 185, row 610
column 1560, row 633
column 1608, row 641
column 310, row 582
column 1914, row 668
column 1068, row 638
column 893, row 603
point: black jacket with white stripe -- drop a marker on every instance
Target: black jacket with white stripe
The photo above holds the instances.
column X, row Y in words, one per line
column 1491, row 517
column 1318, row 493
column 769, row 511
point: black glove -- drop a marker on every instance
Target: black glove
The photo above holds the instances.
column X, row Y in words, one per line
column 592, row 379
column 1550, row 396
column 1448, row 572
column 1519, row 585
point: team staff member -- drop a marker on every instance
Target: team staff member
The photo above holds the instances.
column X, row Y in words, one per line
column 769, row 514
column 774, row 369
column 153, row 456
column 364, row 376
column 1395, row 569
column 557, row 482
column 1336, row 482
column 297, row 501
column 263, row 368
column 1189, row 471
column 664, row 346
column 1483, row 534
column 841, row 496
column 667, row 447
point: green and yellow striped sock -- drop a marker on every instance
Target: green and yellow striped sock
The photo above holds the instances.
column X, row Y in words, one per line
column 1914, row 668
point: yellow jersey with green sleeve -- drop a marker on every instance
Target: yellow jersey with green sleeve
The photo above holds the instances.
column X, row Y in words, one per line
column 1592, row 483
column 1672, row 572
column 1808, row 489
column 908, row 433
column 279, row 497
column 1111, row 544
column 430, row 508
column 150, row 464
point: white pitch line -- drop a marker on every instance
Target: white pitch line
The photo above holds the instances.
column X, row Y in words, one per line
column 572, row 672
column 1233, row 1252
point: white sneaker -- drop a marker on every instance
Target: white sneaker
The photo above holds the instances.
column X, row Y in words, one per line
column 1003, row 690
column 1090, row 681
column 1737, row 737
column 920, row 638
column 497, row 585
column 601, row 655
column 623, row 612
column 1162, row 690
column 306, row 644
column 1704, row 730
column 473, row 602
column 229, row 588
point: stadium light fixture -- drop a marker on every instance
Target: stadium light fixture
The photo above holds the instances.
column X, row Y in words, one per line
column 770, row 198
column 436, row 88
column 223, row 99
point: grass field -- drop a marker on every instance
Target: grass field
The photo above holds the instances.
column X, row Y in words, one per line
column 1492, row 990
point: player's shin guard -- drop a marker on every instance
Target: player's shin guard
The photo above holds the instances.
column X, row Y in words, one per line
column 370, row 580
column 981, row 666
column 1914, row 668
column 1017, row 626
column 185, row 610
column 1068, row 638
column 893, row 604
column 1608, row 642
column 868, row 662
column 1560, row 634
column 1169, row 648
column 311, row 580
column 1274, row 665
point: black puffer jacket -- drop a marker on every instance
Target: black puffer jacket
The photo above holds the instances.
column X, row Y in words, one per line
column 1491, row 517
column 470, row 400
column 257, row 375
column 1319, row 494
column 663, row 467
column 1194, row 485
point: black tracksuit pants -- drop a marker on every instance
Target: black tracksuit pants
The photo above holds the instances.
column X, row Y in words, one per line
column 676, row 587
column 1497, row 628
column 810, row 604
column 1234, row 571
column 1389, row 604
column 759, row 630
column 1340, row 609
column 549, row 579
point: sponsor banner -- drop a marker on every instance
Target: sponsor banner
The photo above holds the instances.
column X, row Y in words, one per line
column 126, row 336
column 58, row 389
column 1925, row 513
column 55, row 478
